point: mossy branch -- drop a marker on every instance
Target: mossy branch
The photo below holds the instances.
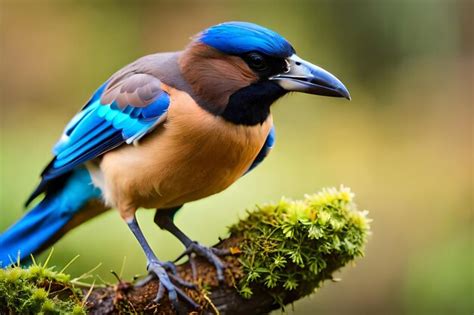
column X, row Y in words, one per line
column 280, row 253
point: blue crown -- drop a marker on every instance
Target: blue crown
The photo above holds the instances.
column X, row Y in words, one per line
column 237, row 38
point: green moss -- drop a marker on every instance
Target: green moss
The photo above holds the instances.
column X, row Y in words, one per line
column 38, row 290
column 295, row 245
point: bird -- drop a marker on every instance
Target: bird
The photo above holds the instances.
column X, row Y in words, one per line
column 165, row 130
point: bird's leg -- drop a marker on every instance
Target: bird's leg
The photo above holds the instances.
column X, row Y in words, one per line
column 157, row 268
column 164, row 219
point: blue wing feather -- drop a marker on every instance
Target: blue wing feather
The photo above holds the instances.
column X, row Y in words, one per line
column 267, row 147
column 100, row 127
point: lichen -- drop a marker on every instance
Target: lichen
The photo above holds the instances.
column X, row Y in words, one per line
column 38, row 290
column 296, row 245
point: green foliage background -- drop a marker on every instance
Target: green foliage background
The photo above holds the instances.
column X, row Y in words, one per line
column 404, row 143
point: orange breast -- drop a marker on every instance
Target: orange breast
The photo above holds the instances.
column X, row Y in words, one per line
column 194, row 154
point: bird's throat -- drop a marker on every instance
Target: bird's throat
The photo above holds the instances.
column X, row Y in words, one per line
column 225, row 86
column 251, row 105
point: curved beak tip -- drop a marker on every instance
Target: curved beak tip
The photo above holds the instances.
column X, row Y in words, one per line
column 345, row 93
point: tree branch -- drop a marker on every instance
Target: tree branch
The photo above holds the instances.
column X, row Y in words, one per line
column 220, row 298
column 280, row 253
column 224, row 297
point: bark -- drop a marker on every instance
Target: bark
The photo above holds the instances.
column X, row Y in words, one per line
column 222, row 298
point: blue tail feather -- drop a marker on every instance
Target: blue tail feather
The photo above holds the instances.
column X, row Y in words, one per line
column 45, row 220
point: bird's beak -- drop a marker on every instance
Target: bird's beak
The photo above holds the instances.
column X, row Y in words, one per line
column 303, row 76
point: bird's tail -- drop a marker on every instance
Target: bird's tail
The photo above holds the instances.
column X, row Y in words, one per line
column 57, row 213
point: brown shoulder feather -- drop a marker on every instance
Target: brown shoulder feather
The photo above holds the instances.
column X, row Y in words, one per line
column 138, row 90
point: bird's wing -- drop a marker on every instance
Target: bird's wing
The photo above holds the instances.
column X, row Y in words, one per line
column 122, row 110
column 119, row 112
column 265, row 150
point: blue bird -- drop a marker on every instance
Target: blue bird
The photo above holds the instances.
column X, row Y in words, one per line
column 165, row 130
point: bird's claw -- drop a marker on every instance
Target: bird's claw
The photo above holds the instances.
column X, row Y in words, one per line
column 158, row 269
column 169, row 266
column 210, row 254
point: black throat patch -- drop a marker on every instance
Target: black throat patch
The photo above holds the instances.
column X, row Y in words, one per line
column 251, row 105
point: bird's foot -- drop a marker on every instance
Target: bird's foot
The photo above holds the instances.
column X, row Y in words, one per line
column 210, row 254
column 158, row 269
column 170, row 267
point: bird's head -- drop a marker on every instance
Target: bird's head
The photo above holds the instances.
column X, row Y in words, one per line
column 238, row 69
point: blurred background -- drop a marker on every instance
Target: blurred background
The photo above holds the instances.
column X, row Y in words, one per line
column 404, row 144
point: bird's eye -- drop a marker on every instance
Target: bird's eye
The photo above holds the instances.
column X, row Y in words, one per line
column 257, row 62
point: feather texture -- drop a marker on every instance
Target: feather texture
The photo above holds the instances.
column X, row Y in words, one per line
column 237, row 38
column 193, row 155
column 121, row 111
column 42, row 224
column 205, row 67
column 265, row 151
